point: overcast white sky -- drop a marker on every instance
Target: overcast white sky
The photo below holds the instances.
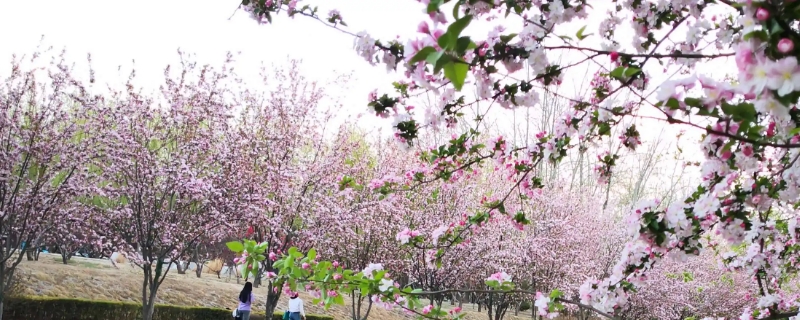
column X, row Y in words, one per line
column 150, row 32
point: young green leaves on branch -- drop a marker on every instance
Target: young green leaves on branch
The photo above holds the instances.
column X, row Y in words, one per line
column 252, row 254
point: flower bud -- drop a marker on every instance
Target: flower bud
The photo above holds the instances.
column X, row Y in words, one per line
column 423, row 28
column 762, row 14
column 785, row 45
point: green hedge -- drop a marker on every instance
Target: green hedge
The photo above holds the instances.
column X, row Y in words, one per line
column 279, row 316
column 41, row 308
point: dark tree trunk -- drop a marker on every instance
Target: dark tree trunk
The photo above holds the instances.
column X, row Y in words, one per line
column 257, row 280
column 181, row 267
column 356, row 305
column 272, row 298
column 152, row 280
column 199, row 270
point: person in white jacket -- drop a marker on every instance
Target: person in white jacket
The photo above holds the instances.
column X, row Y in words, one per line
column 296, row 311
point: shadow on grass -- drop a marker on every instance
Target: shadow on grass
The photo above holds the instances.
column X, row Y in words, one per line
column 82, row 264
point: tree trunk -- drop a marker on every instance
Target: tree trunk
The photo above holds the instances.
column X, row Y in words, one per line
column 146, row 313
column 199, row 269
column 3, row 272
column 369, row 308
column 65, row 256
column 272, row 299
column 356, row 304
column 181, row 267
column 149, row 309
column 29, row 254
column 257, row 279
column 150, row 288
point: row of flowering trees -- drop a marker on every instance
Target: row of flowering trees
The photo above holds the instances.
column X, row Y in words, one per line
column 161, row 176
column 647, row 58
column 158, row 176
column 201, row 160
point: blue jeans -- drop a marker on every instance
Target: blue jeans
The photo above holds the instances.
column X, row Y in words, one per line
column 245, row 314
column 294, row 316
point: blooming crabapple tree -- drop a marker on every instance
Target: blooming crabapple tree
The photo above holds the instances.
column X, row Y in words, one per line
column 362, row 227
column 488, row 249
column 238, row 201
column 292, row 168
column 568, row 239
column 72, row 231
column 43, row 155
column 434, row 269
column 161, row 171
column 750, row 185
column 425, row 207
column 682, row 290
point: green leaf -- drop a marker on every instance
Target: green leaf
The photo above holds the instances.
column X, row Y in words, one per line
column 623, row 73
column 441, row 62
column 673, row 104
column 261, row 248
column 455, row 29
column 739, row 112
column 693, row 102
column 338, row 300
column 433, row 6
column 456, row 72
column 235, row 246
column 580, row 34
column 422, row 54
column 297, row 273
column 463, row 44
column 758, row 34
column 507, row 38
column 433, row 57
column 775, row 27
column 312, row 254
column 445, row 40
column 364, row 288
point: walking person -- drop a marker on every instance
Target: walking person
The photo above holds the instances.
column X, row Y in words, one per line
column 296, row 307
column 246, row 299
